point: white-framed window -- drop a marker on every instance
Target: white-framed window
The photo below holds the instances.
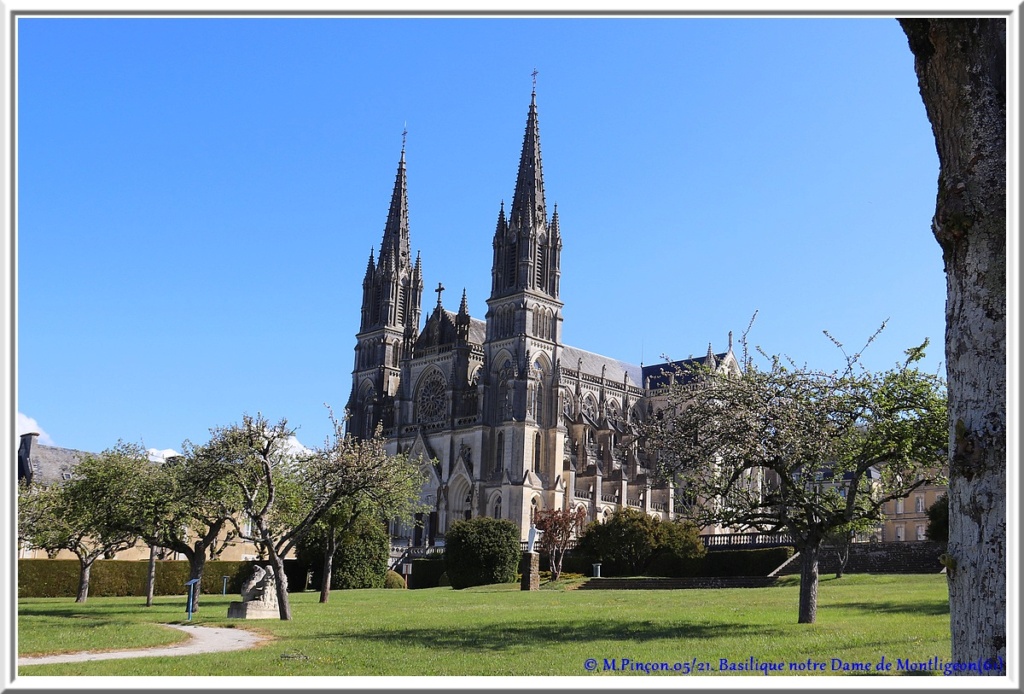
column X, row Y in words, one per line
column 899, row 506
column 919, row 504
column 920, row 533
column 899, row 533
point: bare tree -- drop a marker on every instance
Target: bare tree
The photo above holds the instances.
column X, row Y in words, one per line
column 961, row 71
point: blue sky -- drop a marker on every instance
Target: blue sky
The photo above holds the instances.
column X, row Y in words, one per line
column 197, row 198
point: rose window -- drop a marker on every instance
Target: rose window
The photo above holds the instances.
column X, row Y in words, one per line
column 433, row 402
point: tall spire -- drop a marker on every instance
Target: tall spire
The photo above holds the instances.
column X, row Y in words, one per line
column 529, row 210
column 396, row 230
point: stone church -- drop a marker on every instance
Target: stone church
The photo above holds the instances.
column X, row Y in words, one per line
column 507, row 418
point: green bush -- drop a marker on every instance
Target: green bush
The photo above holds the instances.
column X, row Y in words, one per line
column 938, row 520
column 624, row 544
column 426, row 573
column 443, row 581
column 745, row 562
column 360, row 560
column 58, row 578
column 393, row 579
column 677, row 550
column 482, row 551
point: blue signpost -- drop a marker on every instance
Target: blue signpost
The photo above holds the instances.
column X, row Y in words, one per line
column 224, row 588
column 191, row 596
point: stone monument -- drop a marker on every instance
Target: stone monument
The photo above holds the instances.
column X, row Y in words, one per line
column 259, row 597
column 529, row 566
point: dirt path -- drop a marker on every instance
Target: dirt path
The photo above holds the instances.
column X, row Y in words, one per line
column 203, row 640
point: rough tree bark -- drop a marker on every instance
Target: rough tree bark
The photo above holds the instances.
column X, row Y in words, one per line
column 961, row 71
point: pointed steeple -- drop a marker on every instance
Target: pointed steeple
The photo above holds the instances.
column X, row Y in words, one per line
column 710, row 361
column 395, row 244
column 529, row 211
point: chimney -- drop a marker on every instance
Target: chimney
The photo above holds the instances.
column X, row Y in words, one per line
column 25, row 457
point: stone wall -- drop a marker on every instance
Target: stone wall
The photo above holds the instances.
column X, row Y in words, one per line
column 881, row 558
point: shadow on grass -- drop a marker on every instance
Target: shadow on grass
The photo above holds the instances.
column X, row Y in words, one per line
column 927, row 608
column 501, row 637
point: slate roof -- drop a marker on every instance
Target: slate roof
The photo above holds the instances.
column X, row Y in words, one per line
column 49, row 463
column 660, row 380
column 592, row 364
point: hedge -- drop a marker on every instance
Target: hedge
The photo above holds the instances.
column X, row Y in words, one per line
column 426, row 572
column 58, row 578
column 482, row 551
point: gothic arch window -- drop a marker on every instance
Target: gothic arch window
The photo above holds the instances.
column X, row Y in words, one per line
column 590, row 406
column 395, row 353
column 567, row 404
column 500, row 453
column 536, row 452
column 538, row 409
column 534, row 508
column 613, row 410
column 496, row 507
column 432, row 400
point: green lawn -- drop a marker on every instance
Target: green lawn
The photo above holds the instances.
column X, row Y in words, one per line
column 500, row 630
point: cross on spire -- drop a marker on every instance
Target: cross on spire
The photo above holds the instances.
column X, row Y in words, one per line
column 440, row 288
column 405, row 131
column 535, row 73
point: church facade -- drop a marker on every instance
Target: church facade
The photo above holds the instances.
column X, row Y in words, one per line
column 506, row 418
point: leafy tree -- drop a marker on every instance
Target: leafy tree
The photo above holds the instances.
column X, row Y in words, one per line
column 284, row 492
column 92, row 514
column 481, row 551
column 624, row 544
column 677, row 544
column 791, row 449
column 961, row 71
column 558, row 530
column 357, row 557
column 841, row 537
column 938, row 520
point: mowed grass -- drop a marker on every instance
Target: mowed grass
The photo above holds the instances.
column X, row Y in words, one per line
column 500, row 630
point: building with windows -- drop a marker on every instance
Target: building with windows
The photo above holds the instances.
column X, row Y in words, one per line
column 507, row 419
column 906, row 520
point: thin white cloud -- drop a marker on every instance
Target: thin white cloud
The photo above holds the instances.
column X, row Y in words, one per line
column 27, row 425
column 158, row 456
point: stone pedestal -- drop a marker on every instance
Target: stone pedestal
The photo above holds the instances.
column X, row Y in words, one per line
column 530, row 568
column 252, row 610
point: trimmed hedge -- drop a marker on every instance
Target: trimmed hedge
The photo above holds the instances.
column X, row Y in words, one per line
column 718, row 564
column 393, row 580
column 58, row 578
column 482, row 551
column 744, row 562
column 426, row 573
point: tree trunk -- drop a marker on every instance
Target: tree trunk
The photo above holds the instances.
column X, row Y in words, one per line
column 151, row 576
column 280, row 582
column 84, row 569
column 809, row 583
column 325, row 581
column 961, row 70
column 196, row 564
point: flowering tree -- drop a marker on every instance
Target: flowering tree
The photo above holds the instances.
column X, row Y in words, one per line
column 788, row 449
column 559, row 529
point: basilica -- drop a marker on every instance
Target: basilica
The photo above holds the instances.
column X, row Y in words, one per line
column 506, row 418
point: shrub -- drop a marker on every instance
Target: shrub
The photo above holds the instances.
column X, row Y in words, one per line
column 443, row 581
column 624, row 544
column 425, row 573
column 745, row 562
column 938, row 520
column 678, row 550
column 482, row 551
column 360, row 561
column 393, row 579
column 56, row 578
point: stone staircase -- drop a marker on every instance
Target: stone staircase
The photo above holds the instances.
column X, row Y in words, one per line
column 644, row 583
